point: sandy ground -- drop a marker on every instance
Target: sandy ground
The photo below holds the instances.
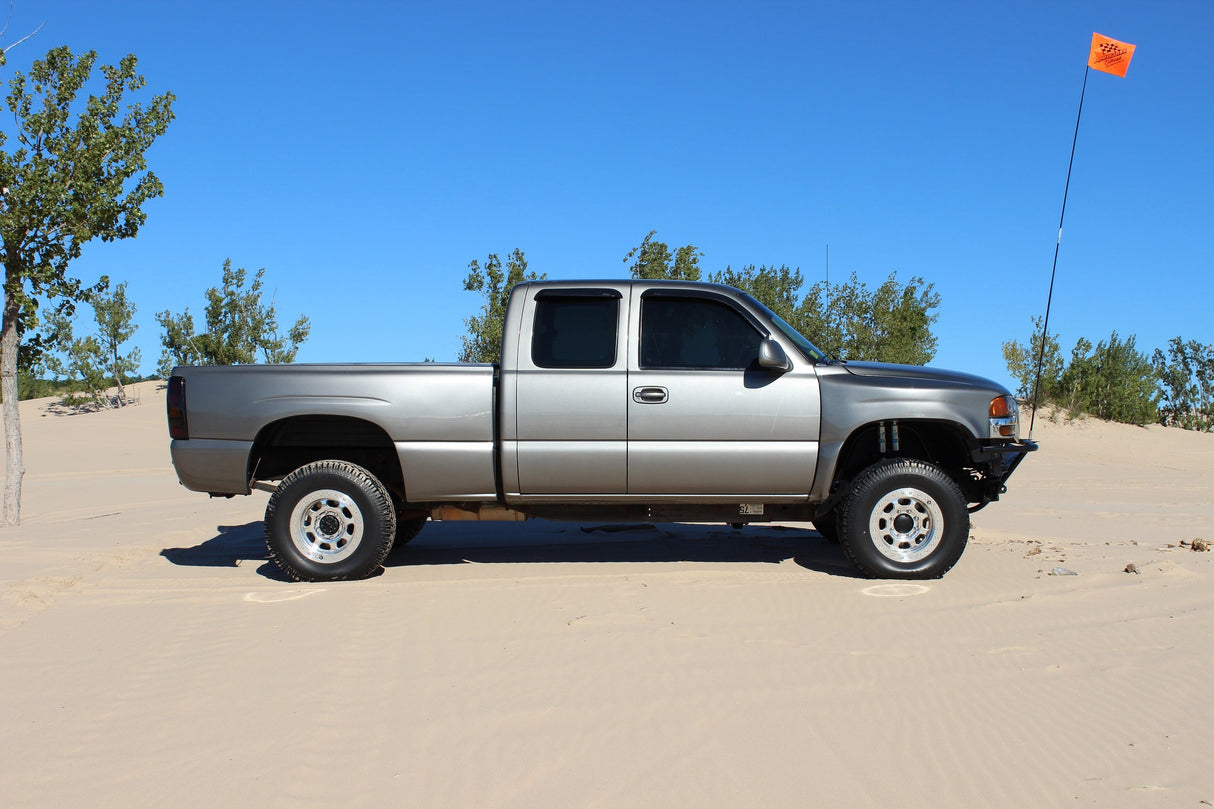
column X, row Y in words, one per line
column 150, row 656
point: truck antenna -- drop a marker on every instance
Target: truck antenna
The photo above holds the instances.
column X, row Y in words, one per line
column 1109, row 56
column 1045, row 326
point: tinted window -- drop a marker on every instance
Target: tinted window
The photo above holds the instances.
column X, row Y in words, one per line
column 574, row 331
column 695, row 333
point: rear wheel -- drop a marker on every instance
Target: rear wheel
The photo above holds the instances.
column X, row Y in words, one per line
column 407, row 528
column 328, row 521
column 904, row 519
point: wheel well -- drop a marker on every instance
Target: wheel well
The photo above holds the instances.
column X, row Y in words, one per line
column 283, row 446
column 938, row 443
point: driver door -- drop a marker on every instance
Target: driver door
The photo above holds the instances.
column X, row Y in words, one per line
column 703, row 417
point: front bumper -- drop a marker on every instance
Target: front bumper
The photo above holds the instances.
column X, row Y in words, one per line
column 996, row 462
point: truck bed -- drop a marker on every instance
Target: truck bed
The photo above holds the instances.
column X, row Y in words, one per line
column 438, row 416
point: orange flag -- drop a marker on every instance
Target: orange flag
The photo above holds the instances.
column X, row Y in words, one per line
column 1110, row 55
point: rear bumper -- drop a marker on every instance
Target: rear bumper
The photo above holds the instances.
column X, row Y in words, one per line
column 213, row 466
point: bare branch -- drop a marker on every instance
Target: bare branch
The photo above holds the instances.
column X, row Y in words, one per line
column 27, row 36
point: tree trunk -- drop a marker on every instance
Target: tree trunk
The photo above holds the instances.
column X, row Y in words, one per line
column 14, row 470
column 118, row 381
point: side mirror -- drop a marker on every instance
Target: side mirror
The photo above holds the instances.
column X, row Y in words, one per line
column 772, row 356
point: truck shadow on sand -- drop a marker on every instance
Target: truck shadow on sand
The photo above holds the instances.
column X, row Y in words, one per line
column 541, row 541
column 231, row 546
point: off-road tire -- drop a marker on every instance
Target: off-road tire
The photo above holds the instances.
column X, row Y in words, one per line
column 828, row 526
column 407, row 530
column 329, row 521
column 904, row 519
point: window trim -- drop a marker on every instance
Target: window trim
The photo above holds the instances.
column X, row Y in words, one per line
column 578, row 292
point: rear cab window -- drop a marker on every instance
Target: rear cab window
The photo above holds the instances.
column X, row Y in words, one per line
column 575, row 328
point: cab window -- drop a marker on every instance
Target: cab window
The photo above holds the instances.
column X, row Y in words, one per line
column 688, row 332
column 575, row 329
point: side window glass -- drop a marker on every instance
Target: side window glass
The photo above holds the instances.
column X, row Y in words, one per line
column 695, row 333
column 574, row 331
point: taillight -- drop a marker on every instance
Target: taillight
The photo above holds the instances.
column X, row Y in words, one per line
column 175, row 402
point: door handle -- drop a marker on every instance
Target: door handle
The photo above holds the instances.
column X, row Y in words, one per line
column 649, row 395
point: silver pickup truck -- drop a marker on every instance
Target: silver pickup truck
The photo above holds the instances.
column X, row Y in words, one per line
column 634, row 400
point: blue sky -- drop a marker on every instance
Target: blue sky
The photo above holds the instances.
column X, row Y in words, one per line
column 364, row 153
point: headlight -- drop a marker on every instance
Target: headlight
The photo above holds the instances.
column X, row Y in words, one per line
column 1005, row 417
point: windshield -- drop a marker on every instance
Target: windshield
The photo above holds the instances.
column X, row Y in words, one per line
column 811, row 351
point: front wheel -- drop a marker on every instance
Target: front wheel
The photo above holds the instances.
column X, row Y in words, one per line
column 904, row 519
column 328, row 521
column 828, row 526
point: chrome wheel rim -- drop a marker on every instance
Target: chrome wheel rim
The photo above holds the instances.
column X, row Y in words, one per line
column 906, row 525
column 326, row 526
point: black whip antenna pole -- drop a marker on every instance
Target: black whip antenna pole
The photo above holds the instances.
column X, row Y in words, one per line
column 1045, row 327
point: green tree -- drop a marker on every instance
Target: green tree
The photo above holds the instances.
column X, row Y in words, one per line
column 240, row 328
column 93, row 362
column 1186, row 382
column 75, row 171
column 889, row 324
column 902, row 319
column 1022, row 365
column 32, row 386
column 655, row 261
column 777, row 288
column 483, row 341
column 113, row 314
column 1113, row 381
column 75, row 362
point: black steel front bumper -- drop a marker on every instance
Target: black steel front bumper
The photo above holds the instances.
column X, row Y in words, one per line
column 997, row 461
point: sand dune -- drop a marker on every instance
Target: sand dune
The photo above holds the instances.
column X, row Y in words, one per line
column 153, row 657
